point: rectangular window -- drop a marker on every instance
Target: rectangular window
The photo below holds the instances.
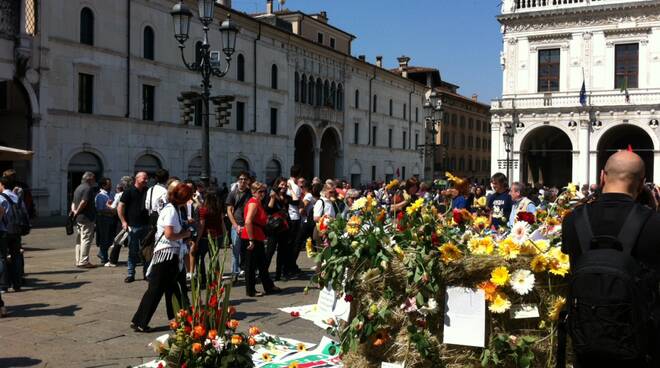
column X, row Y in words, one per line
column 549, row 61
column 85, row 93
column 626, row 66
column 375, row 107
column 332, row 42
column 356, row 180
column 373, row 136
column 198, row 113
column 240, row 116
column 373, row 173
column 356, row 133
column 320, row 38
column 273, row 121
column 3, row 96
column 405, row 112
column 403, row 172
column 404, row 139
column 148, row 100
column 416, row 140
column 416, row 114
column 389, row 138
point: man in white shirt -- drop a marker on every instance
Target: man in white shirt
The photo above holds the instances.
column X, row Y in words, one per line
column 293, row 191
column 157, row 195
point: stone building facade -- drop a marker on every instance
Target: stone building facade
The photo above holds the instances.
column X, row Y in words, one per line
column 552, row 48
column 93, row 85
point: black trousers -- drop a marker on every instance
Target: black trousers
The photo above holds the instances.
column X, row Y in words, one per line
column 256, row 260
column 15, row 261
column 278, row 243
column 295, row 226
column 164, row 279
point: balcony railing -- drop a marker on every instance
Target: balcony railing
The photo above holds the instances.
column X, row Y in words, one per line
column 519, row 6
column 572, row 100
column 319, row 114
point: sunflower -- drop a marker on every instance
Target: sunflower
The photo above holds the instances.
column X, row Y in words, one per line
column 499, row 276
column 508, row 249
column 450, row 253
column 481, row 222
column 301, row 347
column 556, row 308
column 482, row 246
column 294, row 365
column 538, row 263
column 500, row 303
column 392, row 185
column 415, row 206
column 266, row 357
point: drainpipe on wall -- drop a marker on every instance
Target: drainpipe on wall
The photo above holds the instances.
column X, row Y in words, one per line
column 254, row 54
column 128, row 59
column 371, row 101
column 410, row 117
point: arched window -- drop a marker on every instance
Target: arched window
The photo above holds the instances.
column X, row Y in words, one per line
column 462, row 140
column 296, row 87
column 470, row 163
column 310, row 91
column 357, row 98
column 195, row 168
column 148, row 163
column 375, row 106
column 461, row 164
column 454, row 119
column 240, row 68
column 303, row 89
column 87, row 26
column 273, row 76
column 326, row 94
column 148, row 39
column 273, row 171
column 340, row 98
column 391, row 107
column 239, row 166
column 319, row 92
column 333, row 96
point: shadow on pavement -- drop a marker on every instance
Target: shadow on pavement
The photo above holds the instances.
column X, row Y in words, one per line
column 38, row 310
column 63, row 272
column 291, row 290
column 241, row 301
column 242, row 315
column 18, row 362
column 38, row 284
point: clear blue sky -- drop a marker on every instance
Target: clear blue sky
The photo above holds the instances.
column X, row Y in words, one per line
column 459, row 37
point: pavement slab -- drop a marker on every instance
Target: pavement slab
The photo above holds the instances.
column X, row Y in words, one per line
column 70, row 317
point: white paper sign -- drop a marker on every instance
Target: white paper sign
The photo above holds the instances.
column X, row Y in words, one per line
column 327, row 300
column 391, row 365
column 465, row 317
column 523, row 311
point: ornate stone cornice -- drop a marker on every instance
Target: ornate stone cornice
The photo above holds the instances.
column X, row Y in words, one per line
column 585, row 16
column 550, row 37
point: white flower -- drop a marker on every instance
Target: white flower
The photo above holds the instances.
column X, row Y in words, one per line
column 520, row 232
column 160, row 343
column 430, row 307
column 219, row 344
column 522, row 281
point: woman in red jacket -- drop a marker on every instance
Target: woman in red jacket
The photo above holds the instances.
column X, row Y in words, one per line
column 253, row 234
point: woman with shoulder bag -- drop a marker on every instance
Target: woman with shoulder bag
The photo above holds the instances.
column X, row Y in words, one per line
column 278, row 228
column 168, row 259
column 253, row 234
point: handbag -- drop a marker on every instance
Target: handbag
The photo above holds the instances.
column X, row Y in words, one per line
column 276, row 224
column 70, row 224
column 147, row 244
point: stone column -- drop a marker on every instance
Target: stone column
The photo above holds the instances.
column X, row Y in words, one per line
column 317, row 162
column 656, row 166
column 583, row 164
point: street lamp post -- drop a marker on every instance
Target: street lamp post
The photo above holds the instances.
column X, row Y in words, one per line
column 508, row 144
column 207, row 62
column 433, row 111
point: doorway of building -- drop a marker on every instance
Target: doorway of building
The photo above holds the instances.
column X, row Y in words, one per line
column 620, row 138
column 329, row 154
column 78, row 165
column 15, row 125
column 547, row 158
column 304, row 151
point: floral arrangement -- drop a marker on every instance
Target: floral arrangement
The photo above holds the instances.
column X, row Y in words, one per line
column 204, row 334
column 395, row 270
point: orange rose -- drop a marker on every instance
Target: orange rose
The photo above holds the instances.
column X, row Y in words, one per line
column 232, row 311
column 196, row 348
column 232, row 324
column 213, row 334
column 254, row 330
column 174, row 325
column 252, row 341
column 489, row 288
column 381, row 338
column 199, row 331
column 236, row 339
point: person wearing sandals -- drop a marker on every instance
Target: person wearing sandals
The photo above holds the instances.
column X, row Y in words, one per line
column 168, row 259
column 253, row 234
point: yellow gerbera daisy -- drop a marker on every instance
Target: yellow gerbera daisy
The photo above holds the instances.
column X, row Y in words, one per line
column 415, row 206
column 508, row 249
column 450, row 253
column 538, row 263
column 500, row 304
column 499, row 276
column 481, row 222
column 553, row 312
column 482, row 246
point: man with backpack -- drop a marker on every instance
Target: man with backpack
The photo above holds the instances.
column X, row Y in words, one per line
column 236, row 202
column 613, row 308
column 17, row 224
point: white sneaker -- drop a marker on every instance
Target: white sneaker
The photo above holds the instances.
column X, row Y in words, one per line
column 241, row 274
column 109, row 264
column 188, row 276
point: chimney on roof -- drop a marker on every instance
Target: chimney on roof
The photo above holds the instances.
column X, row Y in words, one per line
column 269, row 6
column 379, row 61
column 324, row 14
column 225, row 3
column 475, row 97
column 403, row 65
column 362, row 57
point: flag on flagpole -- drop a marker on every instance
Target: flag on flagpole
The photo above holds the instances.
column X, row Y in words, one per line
column 583, row 94
column 624, row 89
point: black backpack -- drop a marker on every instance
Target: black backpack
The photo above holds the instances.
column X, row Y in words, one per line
column 611, row 295
column 18, row 221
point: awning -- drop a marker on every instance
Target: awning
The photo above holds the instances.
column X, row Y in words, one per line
column 14, row 154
